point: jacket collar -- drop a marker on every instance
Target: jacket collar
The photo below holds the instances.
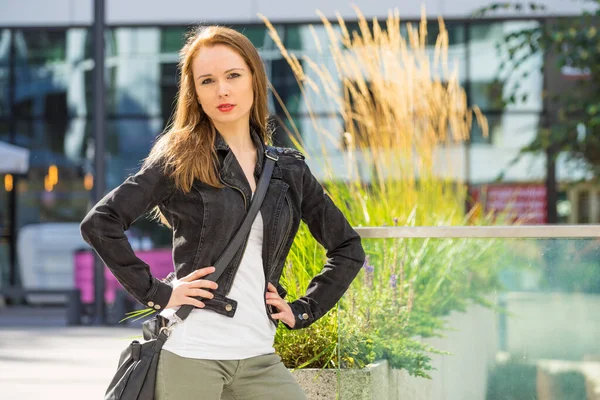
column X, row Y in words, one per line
column 221, row 145
column 228, row 165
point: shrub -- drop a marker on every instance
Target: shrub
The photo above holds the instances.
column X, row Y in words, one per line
column 402, row 116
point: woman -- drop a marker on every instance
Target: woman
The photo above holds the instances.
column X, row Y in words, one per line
column 199, row 178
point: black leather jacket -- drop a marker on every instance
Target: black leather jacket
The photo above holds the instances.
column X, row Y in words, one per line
column 206, row 218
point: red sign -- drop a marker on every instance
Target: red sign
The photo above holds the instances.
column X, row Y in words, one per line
column 522, row 202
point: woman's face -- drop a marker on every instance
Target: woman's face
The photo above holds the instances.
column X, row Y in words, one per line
column 223, row 84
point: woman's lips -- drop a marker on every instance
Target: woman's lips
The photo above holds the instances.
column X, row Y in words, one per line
column 226, row 107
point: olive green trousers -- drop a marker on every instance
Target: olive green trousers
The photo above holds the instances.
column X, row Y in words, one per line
column 257, row 378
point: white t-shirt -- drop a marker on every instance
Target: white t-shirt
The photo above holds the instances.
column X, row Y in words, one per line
column 208, row 335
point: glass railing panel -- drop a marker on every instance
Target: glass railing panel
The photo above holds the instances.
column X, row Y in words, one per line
column 472, row 318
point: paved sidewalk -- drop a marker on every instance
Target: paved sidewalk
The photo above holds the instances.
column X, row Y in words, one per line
column 41, row 358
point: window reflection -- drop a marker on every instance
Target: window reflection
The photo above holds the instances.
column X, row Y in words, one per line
column 5, row 35
column 508, row 130
column 4, row 90
column 484, row 68
column 495, row 156
column 4, row 131
column 49, row 73
column 127, row 143
column 53, row 71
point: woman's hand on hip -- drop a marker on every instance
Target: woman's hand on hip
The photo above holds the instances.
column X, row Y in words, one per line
column 285, row 313
column 188, row 287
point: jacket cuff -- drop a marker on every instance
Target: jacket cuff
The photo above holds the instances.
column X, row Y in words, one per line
column 302, row 315
column 159, row 295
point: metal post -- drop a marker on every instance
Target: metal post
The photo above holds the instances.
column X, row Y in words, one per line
column 13, row 272
column 99, row 145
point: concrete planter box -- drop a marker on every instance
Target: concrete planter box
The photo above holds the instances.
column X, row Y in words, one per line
column 376, row 381
column 472, row 342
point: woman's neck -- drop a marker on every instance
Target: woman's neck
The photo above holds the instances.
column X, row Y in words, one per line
column 237, row 138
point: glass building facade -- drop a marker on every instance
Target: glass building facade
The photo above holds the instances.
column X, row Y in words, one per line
column 46, row 103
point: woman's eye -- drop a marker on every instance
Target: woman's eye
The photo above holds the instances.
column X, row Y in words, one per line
column 204, row 82
column 234, row 75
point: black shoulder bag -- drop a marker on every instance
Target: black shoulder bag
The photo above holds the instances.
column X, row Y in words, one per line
column 136, row 376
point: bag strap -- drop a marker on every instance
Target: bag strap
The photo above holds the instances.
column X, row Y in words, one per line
column 240, row 237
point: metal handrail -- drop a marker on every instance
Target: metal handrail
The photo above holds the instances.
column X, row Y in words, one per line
column 518, row 231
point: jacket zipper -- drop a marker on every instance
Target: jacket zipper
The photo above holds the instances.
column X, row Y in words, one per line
column 239, row 190
column 279, row 249
column 239, row 260
column 287, row 232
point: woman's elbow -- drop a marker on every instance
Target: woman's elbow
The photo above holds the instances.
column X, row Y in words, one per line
column 87, row 227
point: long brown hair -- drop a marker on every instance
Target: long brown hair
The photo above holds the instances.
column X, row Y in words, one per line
column 186, row 148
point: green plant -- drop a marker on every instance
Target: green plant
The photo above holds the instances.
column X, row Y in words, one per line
column 399, row 113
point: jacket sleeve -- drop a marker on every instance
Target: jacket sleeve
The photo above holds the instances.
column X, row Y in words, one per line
column 104, row 228
column 345, row 254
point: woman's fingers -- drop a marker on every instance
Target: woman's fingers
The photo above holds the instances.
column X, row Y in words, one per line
column 180, row 299
column 199, row 293
column 280, row 315
column 279, row 303
column 271, row 288
column 199, row 273
column 203, row 284
column 194, row 302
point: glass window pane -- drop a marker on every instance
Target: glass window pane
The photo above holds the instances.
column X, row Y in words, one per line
column 4, row 45
column 513, row 130
column 168, row 88
column 302, row 39
column 127, row 144
column 60, row 144
column 4, row 131
column 285, row 85
column 172, row 39
column 134, row 73
column 141, row 41
column 50, row 79
column 484, row 67
column 493, row 156
column 312, row 43
column 321, row 133
column 4, row 71
column 457, row 47
column 59, row 136
column 531, row 304
column 134, row 86
column 40, row 46
column 4, row 90
column 258, row 35
column 4, row 262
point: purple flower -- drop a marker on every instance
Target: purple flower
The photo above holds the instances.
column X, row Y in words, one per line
column 394, row 281
column 368, row 268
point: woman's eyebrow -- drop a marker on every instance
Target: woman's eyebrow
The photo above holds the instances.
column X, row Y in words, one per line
column 229, row 70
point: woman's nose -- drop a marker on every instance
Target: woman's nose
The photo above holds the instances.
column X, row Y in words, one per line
column 223, row 90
